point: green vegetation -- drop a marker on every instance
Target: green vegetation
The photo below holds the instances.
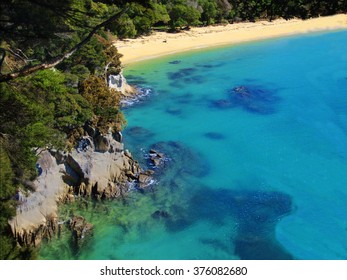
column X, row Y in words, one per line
column 55, row 57
column 54, row 60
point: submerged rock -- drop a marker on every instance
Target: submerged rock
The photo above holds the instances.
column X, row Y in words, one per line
column 214, row 135
column 145, row 178
column 80, row 229
column 252, row 98
column 139, row 132
column 181, row 73
column 175, row 62
column 160, row 214
column 255, row 99
column 221, row 104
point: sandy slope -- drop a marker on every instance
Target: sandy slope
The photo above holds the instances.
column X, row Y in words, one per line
column 161, row 43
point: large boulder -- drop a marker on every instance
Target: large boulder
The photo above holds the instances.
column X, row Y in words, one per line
column 108, row 143
column 103, row 175
column 102, row 144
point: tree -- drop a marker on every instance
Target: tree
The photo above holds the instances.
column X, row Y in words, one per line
column 63, row 26
column 182, row 15
column 209, row 11
column 27, row 69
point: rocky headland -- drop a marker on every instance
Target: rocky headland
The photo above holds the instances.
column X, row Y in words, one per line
column 99, row 167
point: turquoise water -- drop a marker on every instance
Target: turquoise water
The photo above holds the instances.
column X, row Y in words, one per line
column 255, row 139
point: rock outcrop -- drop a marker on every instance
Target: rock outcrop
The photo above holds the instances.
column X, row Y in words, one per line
column 119, row 83
column 37, row 213
column 99, row 167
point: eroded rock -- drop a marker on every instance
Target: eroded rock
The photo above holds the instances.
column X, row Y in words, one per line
column 80, row 229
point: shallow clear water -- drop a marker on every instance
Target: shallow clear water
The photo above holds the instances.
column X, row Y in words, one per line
column 256, row 141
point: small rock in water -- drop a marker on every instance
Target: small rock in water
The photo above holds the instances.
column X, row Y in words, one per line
column 145, row 178
column 156, row 161
column 152, row 151
column 156, row 157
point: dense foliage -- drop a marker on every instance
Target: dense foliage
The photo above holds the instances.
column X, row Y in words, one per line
column 176, row 14
column 47, row 108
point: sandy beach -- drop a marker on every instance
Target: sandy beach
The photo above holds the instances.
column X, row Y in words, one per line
column 161, row 43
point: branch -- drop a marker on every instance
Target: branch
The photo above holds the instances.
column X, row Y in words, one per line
column 3, row 55
column 27, row 70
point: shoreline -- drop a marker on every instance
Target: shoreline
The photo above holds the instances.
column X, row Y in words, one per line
column 162, row 44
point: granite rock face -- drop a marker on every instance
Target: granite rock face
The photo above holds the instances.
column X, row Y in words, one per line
column 36, row 215
column 119, row 83
column 99, row 168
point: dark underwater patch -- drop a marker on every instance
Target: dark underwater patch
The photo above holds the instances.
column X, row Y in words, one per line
column 197, row 79
column 255, row 248
column 217, row 244
column 214, row 136
column 175, row 62
column 183, row 99
column 254, row 99
column 175, row 111
column 138, row 132
column 210, row 65
column 181, row 73
column 182, row 159
column 256, row 213
column 137, row 80
column 221, row 104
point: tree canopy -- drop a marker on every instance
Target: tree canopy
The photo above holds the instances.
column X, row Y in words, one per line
column 49, row 50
